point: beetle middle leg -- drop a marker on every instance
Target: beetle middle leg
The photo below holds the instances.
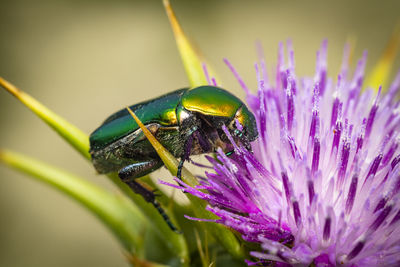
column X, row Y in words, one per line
column 128, row 175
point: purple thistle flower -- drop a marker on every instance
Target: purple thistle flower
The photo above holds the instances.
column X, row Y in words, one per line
column 323, row 183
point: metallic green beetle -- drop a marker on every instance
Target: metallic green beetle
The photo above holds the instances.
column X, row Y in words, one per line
column 186, row 122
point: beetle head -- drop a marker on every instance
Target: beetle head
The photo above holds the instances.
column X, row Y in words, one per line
column 243, row 126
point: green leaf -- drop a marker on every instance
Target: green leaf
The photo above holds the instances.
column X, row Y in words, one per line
column 224, row 236
column 191, row 58
column 382, row 70
column 120, row 216
column 75, row 137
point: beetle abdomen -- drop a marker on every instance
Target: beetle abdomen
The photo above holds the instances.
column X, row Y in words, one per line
column 135, row 147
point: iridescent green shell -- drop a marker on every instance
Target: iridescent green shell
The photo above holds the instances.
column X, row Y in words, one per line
column 211, row 101
column 160, row 110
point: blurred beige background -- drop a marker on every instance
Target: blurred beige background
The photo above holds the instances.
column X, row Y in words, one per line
column 86, row 59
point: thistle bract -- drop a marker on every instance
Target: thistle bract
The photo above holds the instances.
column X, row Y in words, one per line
column 322, row 185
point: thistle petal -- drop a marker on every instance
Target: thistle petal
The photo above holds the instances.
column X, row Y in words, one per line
column 323, row 184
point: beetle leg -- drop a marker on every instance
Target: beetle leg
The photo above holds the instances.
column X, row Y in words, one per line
column 150, row 197
column 204, row 143
column 187, row 149
column 156, row 192
column 139, row 169
column 128, row 175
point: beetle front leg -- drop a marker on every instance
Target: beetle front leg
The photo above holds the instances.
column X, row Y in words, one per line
column 203, row 142
column 187, row 149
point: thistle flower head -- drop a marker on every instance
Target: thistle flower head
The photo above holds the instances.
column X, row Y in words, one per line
column 323, row 183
